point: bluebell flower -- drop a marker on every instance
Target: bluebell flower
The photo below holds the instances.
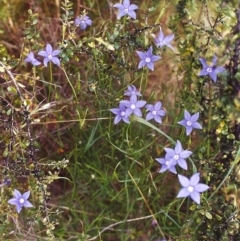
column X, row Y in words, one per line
column 120, row 114
column 177, row 154
column 147, row 59
column 160, row 40
column 20, row 200
column 212, row 70
column 126, row 9
column 190, row 122
column 155, row 112
column 167, row 164
column 31, row 59
column 82, row 22
column 50, row 55
column 132, row 90
column 133, row 106
column 191, row 187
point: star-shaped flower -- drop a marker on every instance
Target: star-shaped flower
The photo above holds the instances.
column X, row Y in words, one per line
column 190, row 122
column 155, row 112
column 133, row 106
column 50, row 55
column 192, row 187
column 212, row 70
column 126, row 9
column 31, row 59
column 166, row 165
column 20, row 200
column 160, row 40
column 177, row 154
column 132, row 90
column 120, row 114
column 147, row 59
column 82, row 22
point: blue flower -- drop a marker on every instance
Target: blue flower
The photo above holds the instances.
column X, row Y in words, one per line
column 191, row 187
column 31, row 59
column 177, row 154
column 132, row 90
column 155, row 112
column 190, row 122
column 82, row 22
column 167, row 165
column 133, row 106
column 120, row 114
column 212, row 70
column 50, row 55
column 147, row 59
column 20, row 200
column 160, row 40
column 126, row 9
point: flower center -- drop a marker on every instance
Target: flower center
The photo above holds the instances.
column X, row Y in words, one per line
column 167, row 163
column 125, row 10
column 82, row 21
column 122, row 113
column 154, row 112
column 133, row 106
column 21, row 200
column 176, row 157
column 189, row 123
column 209, row 70
column 147, row 60
column 190, row 189
column 50, row 56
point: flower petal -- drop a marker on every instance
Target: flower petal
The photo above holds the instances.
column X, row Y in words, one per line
column 201, row 187
column 43, row 53
column 132, row 14
column 184, row 181
column 203, row 62
column 183, row 193
column 27, row 204
column 26, row 195
column 126, row 3
column 133, row 7
column 195, row 197
column 17, row 194
column 49, row 49
column 182, row 163
column 194, row 180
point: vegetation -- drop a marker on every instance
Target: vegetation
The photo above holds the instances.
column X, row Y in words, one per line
column 71, row 136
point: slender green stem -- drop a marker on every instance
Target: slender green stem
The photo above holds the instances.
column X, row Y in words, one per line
column 144, row 199
column 209, row 118
column 50, row 66
column 74, row 92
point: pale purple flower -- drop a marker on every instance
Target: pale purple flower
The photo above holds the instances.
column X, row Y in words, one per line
column 155, row 112
column 147, row 59
column 50, row 55
column 120, row 114
column 31, row 59
column 167, row 164
column 160, row 40
column 190, row 122
column 20, row 200
column 212, row 70
column 191, row 187
column 133, row 106
column 132, row 90
column 82, row 22
column 126, row 9
column 177, row 154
